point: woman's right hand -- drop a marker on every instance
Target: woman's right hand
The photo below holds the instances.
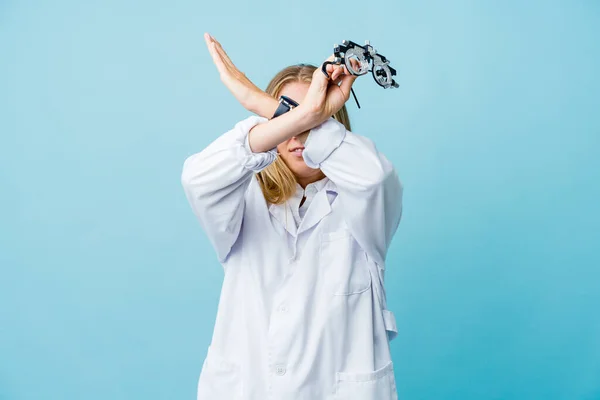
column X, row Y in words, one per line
column 328, row 94
column 250, row 96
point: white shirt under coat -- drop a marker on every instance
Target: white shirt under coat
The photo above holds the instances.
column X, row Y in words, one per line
column 302, row 313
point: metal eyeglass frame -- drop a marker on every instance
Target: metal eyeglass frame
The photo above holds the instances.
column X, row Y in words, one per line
column 368, row 59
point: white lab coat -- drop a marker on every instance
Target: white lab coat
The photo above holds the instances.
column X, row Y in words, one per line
column 302, row 313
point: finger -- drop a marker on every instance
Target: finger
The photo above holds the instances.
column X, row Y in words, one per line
column 337, row 81
column 319, row 79
column 346, row 85
column 342, row 73
column 226, row 60
column 209, row 43
column 223, row 53
column 338, row 71
column 216, row 57
column 330, row 68
column 355, row 64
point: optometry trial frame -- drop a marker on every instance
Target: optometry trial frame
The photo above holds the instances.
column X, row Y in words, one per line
column 368, row 60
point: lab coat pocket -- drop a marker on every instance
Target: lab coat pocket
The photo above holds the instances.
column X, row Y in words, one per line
column 343, row 263
column 220, row 378
column 375, row 385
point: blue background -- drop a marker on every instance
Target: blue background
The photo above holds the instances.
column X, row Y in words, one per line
column 108, row 286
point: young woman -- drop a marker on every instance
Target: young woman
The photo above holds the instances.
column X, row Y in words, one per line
column 300, row 211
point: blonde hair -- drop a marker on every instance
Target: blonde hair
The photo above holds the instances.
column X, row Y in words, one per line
column 277, row 181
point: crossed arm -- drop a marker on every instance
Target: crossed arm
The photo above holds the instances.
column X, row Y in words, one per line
column 215, row 180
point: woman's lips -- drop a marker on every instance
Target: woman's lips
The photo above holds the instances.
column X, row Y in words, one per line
column 298, row 152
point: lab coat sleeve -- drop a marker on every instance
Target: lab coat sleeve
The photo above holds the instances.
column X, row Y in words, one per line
column 369, row 190
column 215, row 182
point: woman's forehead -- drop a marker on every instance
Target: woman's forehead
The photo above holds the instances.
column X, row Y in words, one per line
column 295, row 90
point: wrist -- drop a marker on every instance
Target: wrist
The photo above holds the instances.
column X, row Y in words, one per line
column 310, row 117
column 263, row 105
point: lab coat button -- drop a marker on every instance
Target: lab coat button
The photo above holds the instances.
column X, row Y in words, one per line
column 282, row 308
column 280, row 370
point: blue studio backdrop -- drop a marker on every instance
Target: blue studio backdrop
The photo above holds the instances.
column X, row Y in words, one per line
column 109, row 287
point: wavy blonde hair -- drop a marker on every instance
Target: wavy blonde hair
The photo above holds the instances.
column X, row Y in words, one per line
column 277, row 181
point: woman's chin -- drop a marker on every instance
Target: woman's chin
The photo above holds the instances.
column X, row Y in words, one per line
column 299, row 167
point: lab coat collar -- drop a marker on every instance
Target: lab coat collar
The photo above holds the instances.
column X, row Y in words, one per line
column 318, row 209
